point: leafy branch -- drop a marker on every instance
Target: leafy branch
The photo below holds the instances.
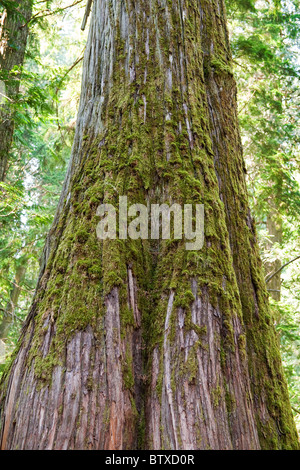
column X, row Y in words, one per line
column 47, row 12
column 269, row 277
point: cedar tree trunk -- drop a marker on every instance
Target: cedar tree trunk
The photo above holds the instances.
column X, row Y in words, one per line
column 140, row 343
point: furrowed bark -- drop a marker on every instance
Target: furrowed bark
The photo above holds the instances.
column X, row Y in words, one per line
column 137, row 343
column 266, row 375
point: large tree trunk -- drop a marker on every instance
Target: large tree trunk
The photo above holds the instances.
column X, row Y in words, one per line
column 142, row 344
column 13, row 40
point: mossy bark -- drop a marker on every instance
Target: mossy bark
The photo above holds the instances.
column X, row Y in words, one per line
column 143, row 344
column 13, row 40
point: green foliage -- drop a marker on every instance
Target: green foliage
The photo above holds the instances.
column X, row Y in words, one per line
column 44, row 116
column 265, row 45
column 240, row 7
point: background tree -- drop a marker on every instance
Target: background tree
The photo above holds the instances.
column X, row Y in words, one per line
column 44, row 116
column 15, row 16
column 143, row 344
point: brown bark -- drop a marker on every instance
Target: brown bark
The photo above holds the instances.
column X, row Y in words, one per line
column 142, row 344
column 13, row 40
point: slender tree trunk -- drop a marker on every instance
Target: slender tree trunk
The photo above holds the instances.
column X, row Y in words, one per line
column 137, row 343
column 274, row 227
column 8, row 314
column 13, row 40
